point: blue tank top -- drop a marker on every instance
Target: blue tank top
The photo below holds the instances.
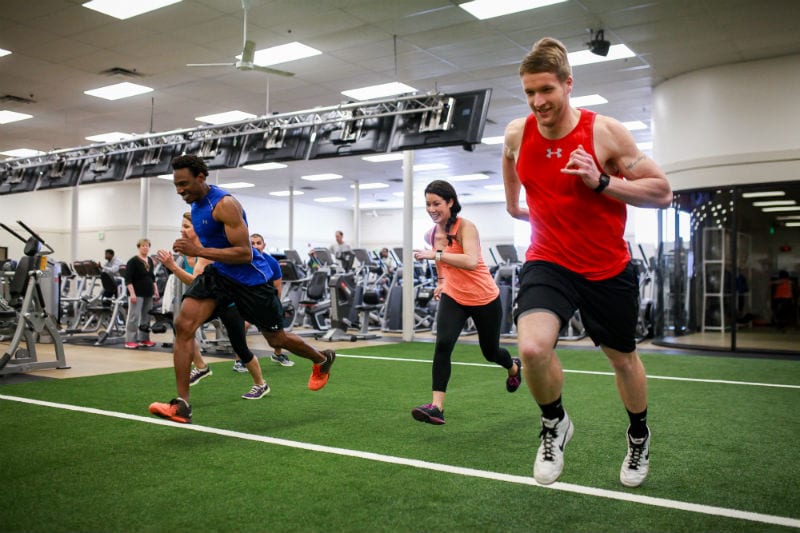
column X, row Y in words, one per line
column 212, row 235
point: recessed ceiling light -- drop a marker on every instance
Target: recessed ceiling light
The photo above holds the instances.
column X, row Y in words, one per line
column 399, row 194
column 237, row 185
column 779, row 209
column 767, row 203
column 118, row 90
column 635, row 125
column 282, row 54
column 330, row 199
column 125, row 9
column 110, row 137
column 165, row 177
column 379, row 91
column 499, row 139
column 366, row 186
column 226, row 117
column 382, row 158
column 265, row 166
column 321, row 177
column 12, row 116
column 585, row 101
column 494, row 187
column 793, row 224
column 762, row 194
column 468, row 177
column 422, row 167
column 4, row 52
column 23, row 152
column 587, row 57
column 486, row 9
column 286, row 193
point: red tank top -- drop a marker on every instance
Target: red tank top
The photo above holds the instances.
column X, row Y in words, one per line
column 571, row 225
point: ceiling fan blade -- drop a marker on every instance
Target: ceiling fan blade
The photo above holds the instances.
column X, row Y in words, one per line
column 275, row 71
column 210, row 64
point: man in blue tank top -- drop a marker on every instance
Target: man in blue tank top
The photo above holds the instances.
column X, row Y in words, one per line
column 237, row 276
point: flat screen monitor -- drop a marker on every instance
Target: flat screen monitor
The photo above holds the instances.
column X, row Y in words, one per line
column 278, row 144
column 19, row 179
column 217, row 153
column 364, row 135
column 61, row 173
column 461, row 125
column 104, row 168
column 153, row 161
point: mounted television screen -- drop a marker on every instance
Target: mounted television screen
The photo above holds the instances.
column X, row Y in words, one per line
column 463, row 125
column 351, row 137
column 104, row 168
column 61, row 173
column 218, row 153
column 277, row 144
column 153, row 161
column 19, row 179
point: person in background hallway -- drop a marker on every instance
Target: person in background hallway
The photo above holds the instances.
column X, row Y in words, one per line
column 465, row 289
column 257, row 242
column 142, row 290
column 783, row 307
column 579, row 170
column 238, row 275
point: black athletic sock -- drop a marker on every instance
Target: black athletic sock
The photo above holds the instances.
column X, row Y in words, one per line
column 553, row 410
column 638, row 427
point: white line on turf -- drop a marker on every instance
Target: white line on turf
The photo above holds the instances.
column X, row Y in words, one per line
column 595, row 372
column 416, row 463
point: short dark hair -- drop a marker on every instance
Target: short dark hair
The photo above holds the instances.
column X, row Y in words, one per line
column 195, row 164
column 109, row 251
column 447, row 192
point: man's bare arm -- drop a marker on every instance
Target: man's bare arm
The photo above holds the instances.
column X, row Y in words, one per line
column 229, row 213
column 511, row 144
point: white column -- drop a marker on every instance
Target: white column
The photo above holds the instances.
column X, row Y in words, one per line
column 73, row 233
column 144, row 206
column 357, row 214
column 291, row 217
column 408, row 252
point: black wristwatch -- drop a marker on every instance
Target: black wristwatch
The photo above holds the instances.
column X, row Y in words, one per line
column 604, row 181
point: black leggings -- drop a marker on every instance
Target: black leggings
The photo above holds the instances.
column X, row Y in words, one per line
column 450, row 321
column 234, row 324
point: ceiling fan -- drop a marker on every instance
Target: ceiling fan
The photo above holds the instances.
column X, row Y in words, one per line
column 248, row 53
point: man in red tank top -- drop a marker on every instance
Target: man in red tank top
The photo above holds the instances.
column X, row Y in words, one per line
column 579, row 170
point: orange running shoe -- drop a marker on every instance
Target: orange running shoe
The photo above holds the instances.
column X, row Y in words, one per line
column 176, row 410
column 321, row 372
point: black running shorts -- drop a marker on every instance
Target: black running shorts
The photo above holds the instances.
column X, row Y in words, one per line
column 258, row 304
column 609, row 308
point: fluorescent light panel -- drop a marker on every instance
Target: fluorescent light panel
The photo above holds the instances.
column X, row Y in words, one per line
column 467, row 177
column 585, row 101
column 494, row 187
column 22, row 152
column 635, row 125
column 379, row 91
column 118, row 91
column 422, row 167
column 789, row 217
column 283, row 54
column 286, row 193
column 237, row 185
column 763, row 194
column 110, row 137
column 125, row 9
column 265, row 166
column 367, row 186
column 321, row 177
column 382, row 158
column 7, row 117
column 226, row 117
column 165, row 177
column 499, row 139
column 486, row 9
column 587, row 57
column 4, row 52
column 330, row 199
column 793, row 224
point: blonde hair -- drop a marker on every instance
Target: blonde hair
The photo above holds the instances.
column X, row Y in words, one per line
column 188, row 216
column 547, row 55
column 140, row 242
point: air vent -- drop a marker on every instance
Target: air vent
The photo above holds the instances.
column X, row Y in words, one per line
column 119, row 71
column 17, row 99
column 308, row 188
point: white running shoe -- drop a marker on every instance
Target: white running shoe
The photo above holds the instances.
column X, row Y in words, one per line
column 637, row 462
column 554, row 437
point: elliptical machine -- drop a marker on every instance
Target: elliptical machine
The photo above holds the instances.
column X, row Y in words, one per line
column 27, row 309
